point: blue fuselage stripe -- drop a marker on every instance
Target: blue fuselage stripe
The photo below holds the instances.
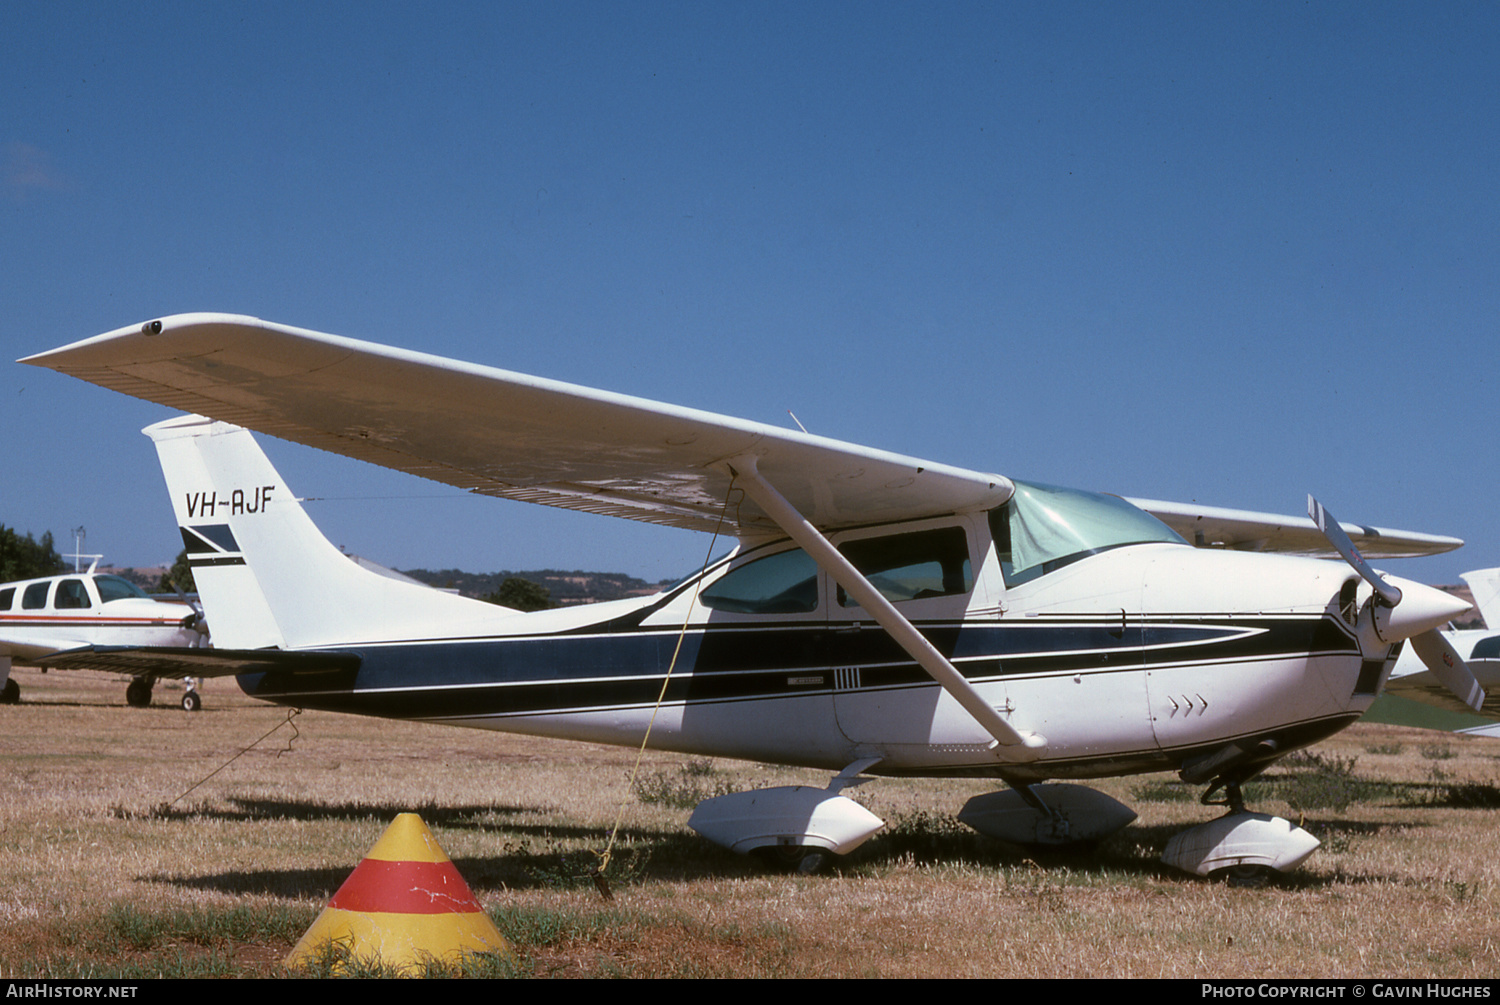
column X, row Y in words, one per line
column 518, row 676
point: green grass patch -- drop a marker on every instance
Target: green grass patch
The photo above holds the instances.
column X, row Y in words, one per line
column 1160, row 790
column 683, row 789
column 1322, row 782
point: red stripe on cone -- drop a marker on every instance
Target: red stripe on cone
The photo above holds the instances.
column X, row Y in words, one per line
column 405, row 888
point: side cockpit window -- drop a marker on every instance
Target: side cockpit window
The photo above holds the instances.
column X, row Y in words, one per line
column 71, row 596
column 912, row 566
column 784, row 583
column 116, row 588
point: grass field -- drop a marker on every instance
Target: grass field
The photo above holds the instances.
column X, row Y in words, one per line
column 110, row 870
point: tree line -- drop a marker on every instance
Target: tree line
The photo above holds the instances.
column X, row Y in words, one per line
column 26, row 557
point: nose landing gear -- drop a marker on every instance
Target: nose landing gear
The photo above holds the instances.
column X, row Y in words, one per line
column 1245, row 849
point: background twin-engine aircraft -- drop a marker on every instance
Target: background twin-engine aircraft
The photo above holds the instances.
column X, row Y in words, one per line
column 882, row 614
column 42, row 617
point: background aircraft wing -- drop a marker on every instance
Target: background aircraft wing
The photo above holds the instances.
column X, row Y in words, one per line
column 1243, row 530
column 34, row 647
column 176, row 663
column 506, row 434
column 1423, row 686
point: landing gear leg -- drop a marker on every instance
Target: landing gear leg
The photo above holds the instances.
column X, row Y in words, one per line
column 1234, row 798
column 1057, row 830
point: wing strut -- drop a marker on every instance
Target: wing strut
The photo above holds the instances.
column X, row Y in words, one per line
column 1013, row 745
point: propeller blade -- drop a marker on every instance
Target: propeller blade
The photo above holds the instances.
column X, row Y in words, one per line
column 195, row 620
column 1448, row 667
column 1389, row 595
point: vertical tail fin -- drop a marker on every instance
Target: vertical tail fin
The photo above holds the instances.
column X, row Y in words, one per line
column 1485, row 585
column 267, row 576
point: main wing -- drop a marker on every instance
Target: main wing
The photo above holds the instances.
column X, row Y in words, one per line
column 1244, row 530
column 507, row 434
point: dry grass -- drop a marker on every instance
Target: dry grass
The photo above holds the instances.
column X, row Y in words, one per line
column 101, row 879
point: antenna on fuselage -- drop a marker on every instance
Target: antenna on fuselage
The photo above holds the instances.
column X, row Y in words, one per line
column 78, row 537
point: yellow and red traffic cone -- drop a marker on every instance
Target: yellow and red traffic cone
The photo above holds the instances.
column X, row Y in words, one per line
column 404, row 904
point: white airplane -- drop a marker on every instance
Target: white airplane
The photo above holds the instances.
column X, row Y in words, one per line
column 40, row 618
column 881, row 614
column 1478, row 648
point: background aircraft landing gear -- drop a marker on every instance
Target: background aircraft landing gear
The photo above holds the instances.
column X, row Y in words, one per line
column 138, row 693
column 191, row 702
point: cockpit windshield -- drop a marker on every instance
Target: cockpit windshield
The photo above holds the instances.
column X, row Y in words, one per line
column 1044, row 527
column 116, row 588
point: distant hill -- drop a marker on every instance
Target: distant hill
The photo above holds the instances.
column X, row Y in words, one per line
column 1472, row 619
column 147, row 579
column 566, row 588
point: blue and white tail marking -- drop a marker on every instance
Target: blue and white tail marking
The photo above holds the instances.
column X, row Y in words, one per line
column 267, row 576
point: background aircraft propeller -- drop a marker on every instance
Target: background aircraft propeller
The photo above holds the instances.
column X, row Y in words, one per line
column 197, row 620
column 1436, row 652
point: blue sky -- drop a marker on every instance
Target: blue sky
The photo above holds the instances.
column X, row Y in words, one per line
column 1229, row 252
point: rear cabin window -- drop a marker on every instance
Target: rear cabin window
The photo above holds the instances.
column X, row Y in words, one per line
column 35, row 597
column 924, row 563
column 784, row 583
column 7, row 597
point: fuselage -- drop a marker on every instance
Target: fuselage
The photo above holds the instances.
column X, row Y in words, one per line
column 1136, row 655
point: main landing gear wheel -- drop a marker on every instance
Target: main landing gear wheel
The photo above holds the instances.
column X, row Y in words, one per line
column 1245, row 877
column 191, row 702
column 11, row 693
column 805, row 860
column 138, row 693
